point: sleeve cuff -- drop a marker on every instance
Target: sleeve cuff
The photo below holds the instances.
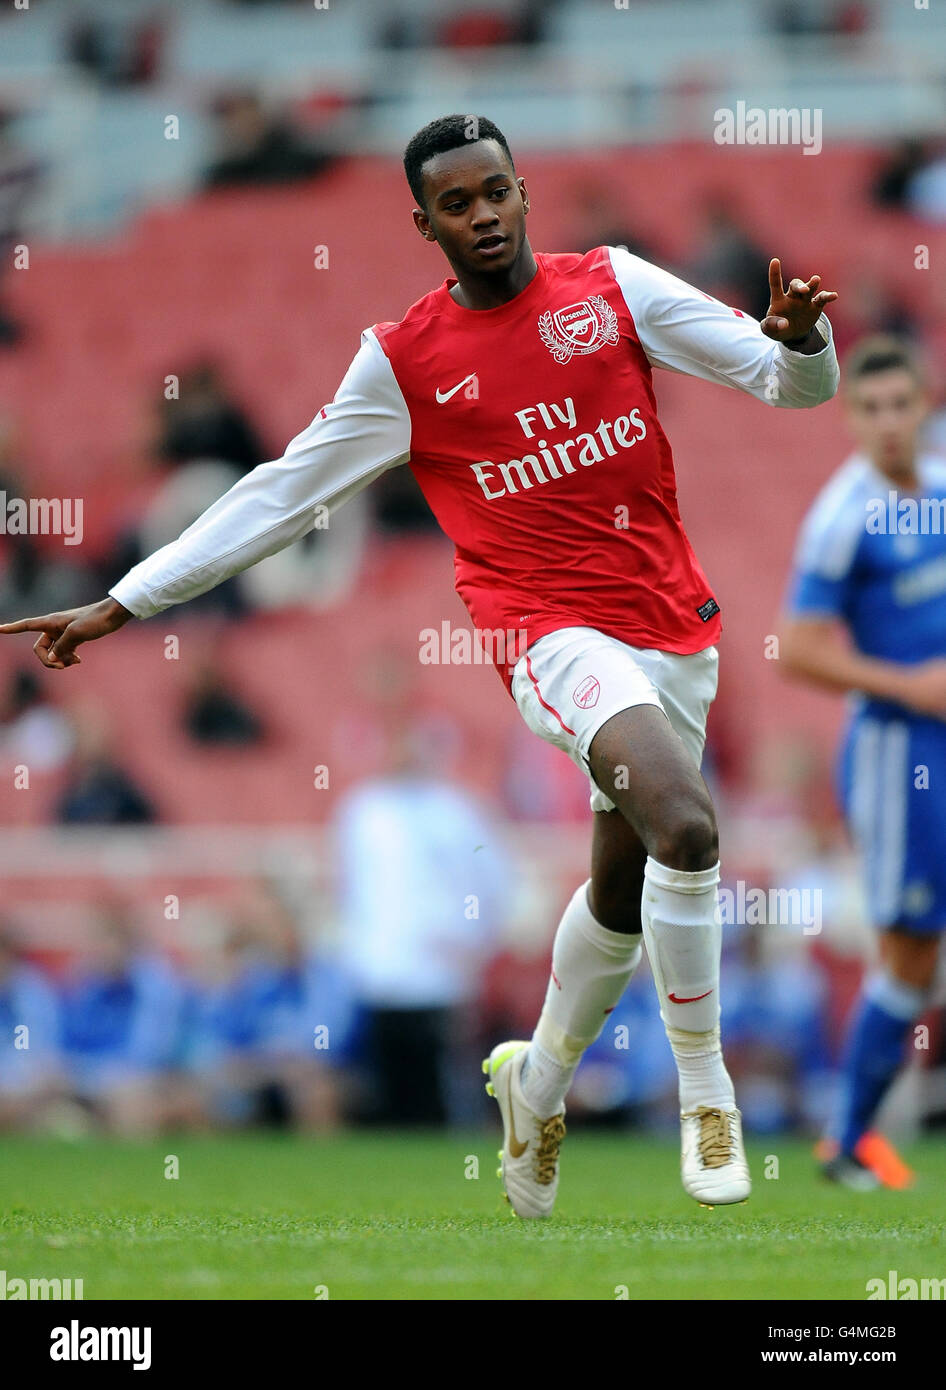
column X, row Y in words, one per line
column 130, row 596
column 823, row 326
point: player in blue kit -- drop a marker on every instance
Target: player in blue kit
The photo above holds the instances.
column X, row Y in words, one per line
column 866, row 615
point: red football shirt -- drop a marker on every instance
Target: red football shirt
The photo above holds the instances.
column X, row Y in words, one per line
column 549, row 469
column 532, row 430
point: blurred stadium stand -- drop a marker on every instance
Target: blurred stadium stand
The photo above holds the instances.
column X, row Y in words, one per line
column 569, row 74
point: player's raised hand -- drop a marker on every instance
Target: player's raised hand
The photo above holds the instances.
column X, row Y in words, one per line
column 793, row 313
column 61, row 633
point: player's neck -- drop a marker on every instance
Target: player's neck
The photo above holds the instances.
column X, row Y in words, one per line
column 902, row 475
column 492, row 291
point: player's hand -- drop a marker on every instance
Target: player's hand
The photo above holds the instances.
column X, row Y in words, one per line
column 924, row 688
column 61, row 633
column 793, row 313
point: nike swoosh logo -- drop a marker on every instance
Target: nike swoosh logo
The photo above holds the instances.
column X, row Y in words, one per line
column 445, row 395
column 516, row 1150
column 674, row 1000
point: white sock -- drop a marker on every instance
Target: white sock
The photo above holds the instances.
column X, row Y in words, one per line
column 591, row 967
column 683, row 932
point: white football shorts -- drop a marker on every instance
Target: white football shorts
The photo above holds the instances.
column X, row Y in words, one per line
column 572, row 681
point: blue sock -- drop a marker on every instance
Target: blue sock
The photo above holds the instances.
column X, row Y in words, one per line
column 874, row 1052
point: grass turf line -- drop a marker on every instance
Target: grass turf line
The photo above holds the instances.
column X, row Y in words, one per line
column 386, row 1216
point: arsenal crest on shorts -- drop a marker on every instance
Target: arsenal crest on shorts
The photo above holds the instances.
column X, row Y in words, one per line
column 581, row 328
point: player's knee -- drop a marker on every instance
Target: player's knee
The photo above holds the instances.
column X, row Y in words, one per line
column 688, row 839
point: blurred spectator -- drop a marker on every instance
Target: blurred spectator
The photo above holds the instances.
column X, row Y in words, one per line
column 264, row 1051
column 39, row 581
column 98, row 790
column 116, row 50
column 485, row 27
column 31, row 1074
column 398, row 503
column 728, row 263
column 913, row 180
column 19, row 179
column 321, row 569
column 926, row 190
column 892, row 183
column 215, row 714
column 206, row 423
column 32, row 730
column 180, row 500
column 538, row 783
column 774, row 1028
column 256, row 146
column 34, row 579
column 422, row 882
column 124, row 1011
column 799, row 17
column 498, row 22
column 603, row 222
column 318, row 571
column 874, row 306
column 934, row 432
column 399, row 30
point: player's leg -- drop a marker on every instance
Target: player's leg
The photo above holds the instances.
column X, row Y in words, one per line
column 662, row 805
column 892, row 999
column 596, row 950
column 578, row 689
column 618, row 856
column 591, row 964
column 898, row 826
column 641, row 763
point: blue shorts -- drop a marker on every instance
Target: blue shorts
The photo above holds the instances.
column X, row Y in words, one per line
column 892, row 785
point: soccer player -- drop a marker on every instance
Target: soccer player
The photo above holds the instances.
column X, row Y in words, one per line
column 865, row 617
column 520, row 393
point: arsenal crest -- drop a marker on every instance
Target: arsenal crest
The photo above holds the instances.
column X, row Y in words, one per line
column 580, row 328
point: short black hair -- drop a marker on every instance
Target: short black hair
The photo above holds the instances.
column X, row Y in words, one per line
column 443, row 134
column 881, row 353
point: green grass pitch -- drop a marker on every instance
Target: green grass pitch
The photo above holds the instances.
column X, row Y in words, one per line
column 383, row 1216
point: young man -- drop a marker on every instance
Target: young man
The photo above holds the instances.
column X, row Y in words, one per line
column 520, row 394
column 865, row 617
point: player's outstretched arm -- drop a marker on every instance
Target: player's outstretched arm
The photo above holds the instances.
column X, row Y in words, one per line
column 784, row 360
column 61, row 633
column 364, row 431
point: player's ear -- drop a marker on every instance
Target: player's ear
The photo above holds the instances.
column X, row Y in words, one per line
column 422, row 223
column 521, row 185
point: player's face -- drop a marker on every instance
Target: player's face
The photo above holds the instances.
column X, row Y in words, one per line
column 476, row 208
column 885, row 411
